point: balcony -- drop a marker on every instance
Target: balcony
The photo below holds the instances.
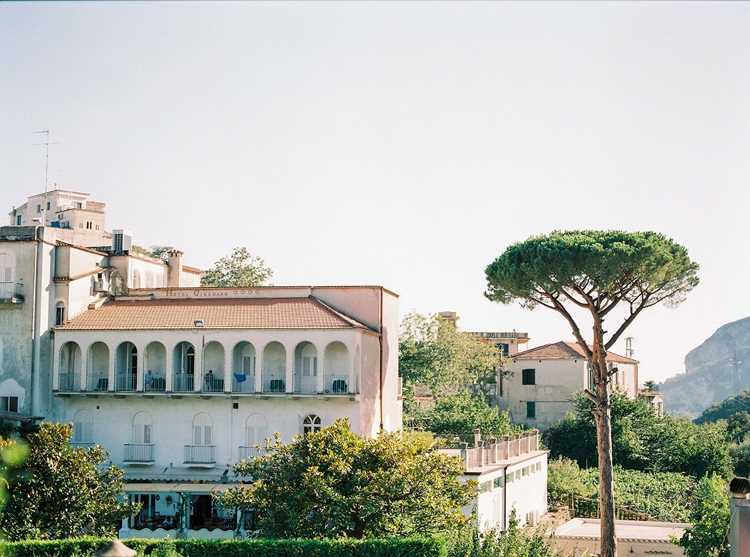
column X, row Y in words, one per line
column 125, row 382
column 69, row 382
column 212, row 384
column 183, row 383
column 139, row 453
column 337, row 384
column 11, row 293
column 243, row 383
column 200, row 455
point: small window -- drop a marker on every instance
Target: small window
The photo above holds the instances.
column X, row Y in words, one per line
column 509, row 478
column 6, row 268
column 38, row 208
column 311, row 424
column 538, row 466
column 79, row 205
column 531, row 410
column 60, row 314
column 59, row 216
column 498, row 482
column 48, row 205
column 528, row 377
column 9, row 403
column 484, row 487
column 18, row 220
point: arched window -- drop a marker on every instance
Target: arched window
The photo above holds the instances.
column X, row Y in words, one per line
column 83, row 428
column 142, row 429
column 311, row 424
column 202, row 429
column 60, row 313
column 6, row 268
column 255, row 430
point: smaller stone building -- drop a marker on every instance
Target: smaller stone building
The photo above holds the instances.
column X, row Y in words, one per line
column 538, row 389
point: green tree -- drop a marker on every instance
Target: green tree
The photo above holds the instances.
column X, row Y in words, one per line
column 641, row 440
column 463, row 413
column 240, row 269
column 593, row 273
column 434, row 353
column 160, row 252
column 707, row 537
column 334, row 483
column 62, row 491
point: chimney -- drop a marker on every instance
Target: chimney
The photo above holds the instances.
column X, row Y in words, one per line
column 174, row 271
column 739, row 521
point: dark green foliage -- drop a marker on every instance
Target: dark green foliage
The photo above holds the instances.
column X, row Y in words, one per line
column 334, row 483
column 513, row 542
column 710, row 517
column 462, row 414
column 726, row 409
column 741, row 455
column 62, row 491
column 641, row 440
column 663, row 496
column 410, row 547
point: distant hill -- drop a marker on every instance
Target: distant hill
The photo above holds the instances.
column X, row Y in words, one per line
column 735, row 404
column 714, row 371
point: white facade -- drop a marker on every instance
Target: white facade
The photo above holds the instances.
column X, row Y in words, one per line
column 538, row 390
column 511, row 474
column 217, row 389
column 44, row 281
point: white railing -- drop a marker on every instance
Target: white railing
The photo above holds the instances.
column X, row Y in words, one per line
column 69, row 382
column 200, row 454
column 11, row 291
column 139, row 452
column 337, row 384
column 492, row 450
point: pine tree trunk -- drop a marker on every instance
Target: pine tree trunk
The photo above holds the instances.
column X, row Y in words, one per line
column 602, row 414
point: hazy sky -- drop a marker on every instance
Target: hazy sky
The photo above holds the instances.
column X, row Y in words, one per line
column 404, row 144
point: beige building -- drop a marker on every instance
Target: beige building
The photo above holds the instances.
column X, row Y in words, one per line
column 511, row 474
column 581, row 537
column 538, row 389
column 176, row 381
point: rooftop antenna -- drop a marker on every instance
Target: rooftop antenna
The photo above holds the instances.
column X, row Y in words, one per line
column 46, row 173
column 629, row 347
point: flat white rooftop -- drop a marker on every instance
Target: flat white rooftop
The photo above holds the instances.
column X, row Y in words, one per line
column 626, row 530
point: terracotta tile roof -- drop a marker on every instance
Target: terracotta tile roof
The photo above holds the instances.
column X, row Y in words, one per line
column 233, row 313
column 565, row 350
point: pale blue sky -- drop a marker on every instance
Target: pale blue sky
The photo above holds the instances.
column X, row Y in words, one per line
column 405, row 144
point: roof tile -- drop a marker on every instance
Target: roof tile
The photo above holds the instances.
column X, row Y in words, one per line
column 234, row 313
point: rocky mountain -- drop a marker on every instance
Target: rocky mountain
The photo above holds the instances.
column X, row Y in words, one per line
column 715, row 370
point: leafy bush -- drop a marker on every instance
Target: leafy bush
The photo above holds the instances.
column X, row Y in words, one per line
column 665, row 496
column 513, row 542
column 641, row 440
column 396, row 547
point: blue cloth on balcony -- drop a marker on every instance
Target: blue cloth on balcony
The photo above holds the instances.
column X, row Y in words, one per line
column 241, row 378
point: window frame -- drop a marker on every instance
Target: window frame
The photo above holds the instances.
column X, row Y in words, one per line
column 528, row 376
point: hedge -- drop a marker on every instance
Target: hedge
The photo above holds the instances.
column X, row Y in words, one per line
column 394, row 547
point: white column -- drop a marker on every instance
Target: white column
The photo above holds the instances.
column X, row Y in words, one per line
column 321, row 378
column 111, row 380
column 258, row 370
column 168, row 368
column 289, row 370
column 228, row 371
